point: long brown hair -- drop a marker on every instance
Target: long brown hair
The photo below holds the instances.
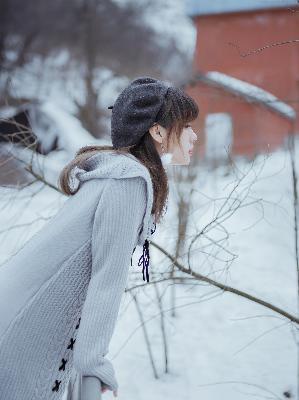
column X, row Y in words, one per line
column 177, row 110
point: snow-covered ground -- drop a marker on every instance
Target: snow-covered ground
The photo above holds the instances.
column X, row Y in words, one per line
column 220, row 345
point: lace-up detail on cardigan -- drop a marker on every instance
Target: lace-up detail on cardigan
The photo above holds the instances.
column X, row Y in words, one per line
column 145, row 257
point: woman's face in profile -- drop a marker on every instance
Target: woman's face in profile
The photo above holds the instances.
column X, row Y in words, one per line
column 176, row 154
column 181, row 155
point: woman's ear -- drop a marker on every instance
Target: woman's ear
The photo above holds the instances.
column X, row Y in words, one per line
column 154, row 131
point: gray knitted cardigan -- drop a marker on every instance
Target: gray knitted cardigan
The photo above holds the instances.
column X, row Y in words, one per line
column 60, row 294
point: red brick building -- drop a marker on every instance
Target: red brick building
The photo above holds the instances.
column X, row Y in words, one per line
column 245, row 74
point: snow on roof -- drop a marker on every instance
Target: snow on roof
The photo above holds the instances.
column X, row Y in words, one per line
column 9, row 111
column 72, row 135
column 249, row 91
column 203, row 7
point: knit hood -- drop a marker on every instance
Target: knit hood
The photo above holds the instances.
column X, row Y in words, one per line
column 107, row 164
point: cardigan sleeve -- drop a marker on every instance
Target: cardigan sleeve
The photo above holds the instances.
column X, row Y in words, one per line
column 118, row 218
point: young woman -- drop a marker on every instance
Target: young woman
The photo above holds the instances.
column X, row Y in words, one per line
column 60, row 294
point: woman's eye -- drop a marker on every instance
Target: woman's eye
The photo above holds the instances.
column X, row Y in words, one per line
column 187, row 126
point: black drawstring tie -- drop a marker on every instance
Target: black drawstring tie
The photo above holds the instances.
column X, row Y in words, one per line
column 144, row 259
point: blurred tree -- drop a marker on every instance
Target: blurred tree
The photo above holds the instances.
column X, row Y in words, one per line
column 97, row 34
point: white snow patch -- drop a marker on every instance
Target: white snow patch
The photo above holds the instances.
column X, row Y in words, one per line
column 71, row 134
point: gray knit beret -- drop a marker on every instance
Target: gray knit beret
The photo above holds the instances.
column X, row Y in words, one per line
column 135, row 110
